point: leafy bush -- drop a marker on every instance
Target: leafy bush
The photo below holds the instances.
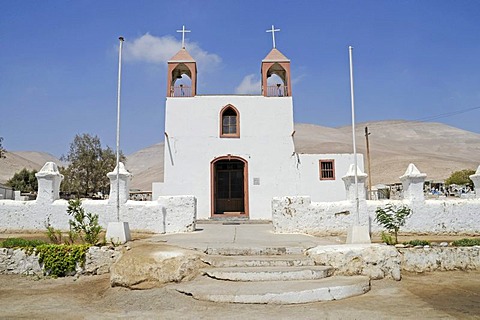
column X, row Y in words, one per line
column 20, row 243
column 417, row 242
column 461, row 177
column 54, row 235
column 24, row 181
column 84, row 224
column 392, row 218
column 59, row 260
column 387, row 238
column 466, row 242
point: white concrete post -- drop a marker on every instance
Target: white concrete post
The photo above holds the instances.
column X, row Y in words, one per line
column 359, row 232
column 349, row 180
column 124, row 188
column 49, row 180
column 476, row 182
column 412, row 182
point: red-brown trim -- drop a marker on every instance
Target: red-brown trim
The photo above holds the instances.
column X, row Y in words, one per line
column 286, row 82
column 212, row 187
column 320, row 168
column 192, row 67
column 237, row 134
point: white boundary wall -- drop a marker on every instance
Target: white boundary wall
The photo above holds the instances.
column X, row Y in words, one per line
column 301, row 215
column 168, row 214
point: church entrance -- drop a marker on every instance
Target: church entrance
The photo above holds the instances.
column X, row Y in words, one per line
column 229, row 187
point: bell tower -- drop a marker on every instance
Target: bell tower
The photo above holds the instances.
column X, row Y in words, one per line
column 275, row 63
column 180, row 65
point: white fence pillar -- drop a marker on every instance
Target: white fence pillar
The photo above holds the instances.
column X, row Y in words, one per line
column 349, row 180
column 476, row 182
column 49, row 180
column 412, row 182
column 124, row 190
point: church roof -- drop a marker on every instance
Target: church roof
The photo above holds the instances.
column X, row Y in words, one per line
column 182, row 56
column 275, row 56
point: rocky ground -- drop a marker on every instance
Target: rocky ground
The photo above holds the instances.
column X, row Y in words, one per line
column 439, row 295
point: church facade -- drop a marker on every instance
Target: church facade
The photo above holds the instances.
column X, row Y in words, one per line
column 234, row 153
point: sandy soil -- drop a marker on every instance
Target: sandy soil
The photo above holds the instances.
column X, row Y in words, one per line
column 440, row 295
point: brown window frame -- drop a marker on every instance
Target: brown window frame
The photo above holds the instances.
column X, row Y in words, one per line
column 237, row 122
column 322, row 171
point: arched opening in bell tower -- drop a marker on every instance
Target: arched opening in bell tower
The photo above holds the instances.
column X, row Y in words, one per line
column 181, row 83
column 276, row 86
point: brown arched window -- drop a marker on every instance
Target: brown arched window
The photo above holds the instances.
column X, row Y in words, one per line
column 229, row 122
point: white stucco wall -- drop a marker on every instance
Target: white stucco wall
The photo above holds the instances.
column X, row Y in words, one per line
column 300, row 215
column 266, row 126
column 170, row 214
column 310, row 184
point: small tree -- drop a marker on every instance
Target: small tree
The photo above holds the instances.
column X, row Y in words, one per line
column 24, row 181
column 84, row 224
column 88, row 166
column 461, row 177
column 392, row 218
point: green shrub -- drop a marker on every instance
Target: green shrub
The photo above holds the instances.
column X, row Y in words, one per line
column 59, row 259
column 466, row 242
column 387, row 238
column 20, row 243
column 54, row 235
column 84, row 224
column 417, row 242
column 392, row 218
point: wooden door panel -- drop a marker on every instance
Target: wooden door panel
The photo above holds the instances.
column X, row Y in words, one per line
column 229, row 187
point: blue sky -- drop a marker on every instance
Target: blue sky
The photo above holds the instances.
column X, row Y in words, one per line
column 58, row 62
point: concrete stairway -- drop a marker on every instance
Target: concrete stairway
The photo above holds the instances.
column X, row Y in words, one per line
column 280, row 278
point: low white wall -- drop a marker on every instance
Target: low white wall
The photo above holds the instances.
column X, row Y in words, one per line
column 97, row 261
column 169, row 214
column 300, row 215
column 381, row 261
column 440, row 259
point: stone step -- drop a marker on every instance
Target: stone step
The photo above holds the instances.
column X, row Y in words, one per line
column 252, row 251
column 275, row 292
column 258, row 261
column 269, row 273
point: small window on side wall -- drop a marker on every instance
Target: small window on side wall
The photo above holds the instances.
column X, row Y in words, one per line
column 229, row 122
column 327, row 169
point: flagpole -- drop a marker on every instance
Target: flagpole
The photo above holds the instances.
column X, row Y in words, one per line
column 357, row 211
column 121, row 39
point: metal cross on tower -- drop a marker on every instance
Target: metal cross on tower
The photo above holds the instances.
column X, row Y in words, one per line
column 273, row 30
column 183, row 31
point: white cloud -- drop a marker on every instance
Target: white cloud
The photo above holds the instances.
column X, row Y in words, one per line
column 159, row 50
column 249, row 84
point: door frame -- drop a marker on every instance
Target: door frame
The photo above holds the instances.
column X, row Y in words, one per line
column 245, row 187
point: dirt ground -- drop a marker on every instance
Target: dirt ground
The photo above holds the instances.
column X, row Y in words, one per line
column 439, row 295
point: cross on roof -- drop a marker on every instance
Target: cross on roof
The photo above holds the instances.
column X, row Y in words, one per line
column 183, row 31
column 273, row 30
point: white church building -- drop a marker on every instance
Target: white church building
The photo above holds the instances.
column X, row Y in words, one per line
column 234, row 153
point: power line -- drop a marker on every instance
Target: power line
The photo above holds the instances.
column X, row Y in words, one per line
column 438, row 116
column 447, row 114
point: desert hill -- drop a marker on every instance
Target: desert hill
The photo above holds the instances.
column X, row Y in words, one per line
column 435, row 148
column 17, row 160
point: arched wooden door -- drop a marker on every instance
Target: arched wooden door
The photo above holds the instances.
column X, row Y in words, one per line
column 229, row 187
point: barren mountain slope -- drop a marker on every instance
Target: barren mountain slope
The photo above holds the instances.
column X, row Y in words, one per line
column 146, row 165
column 17, row 160
column 435, row 148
